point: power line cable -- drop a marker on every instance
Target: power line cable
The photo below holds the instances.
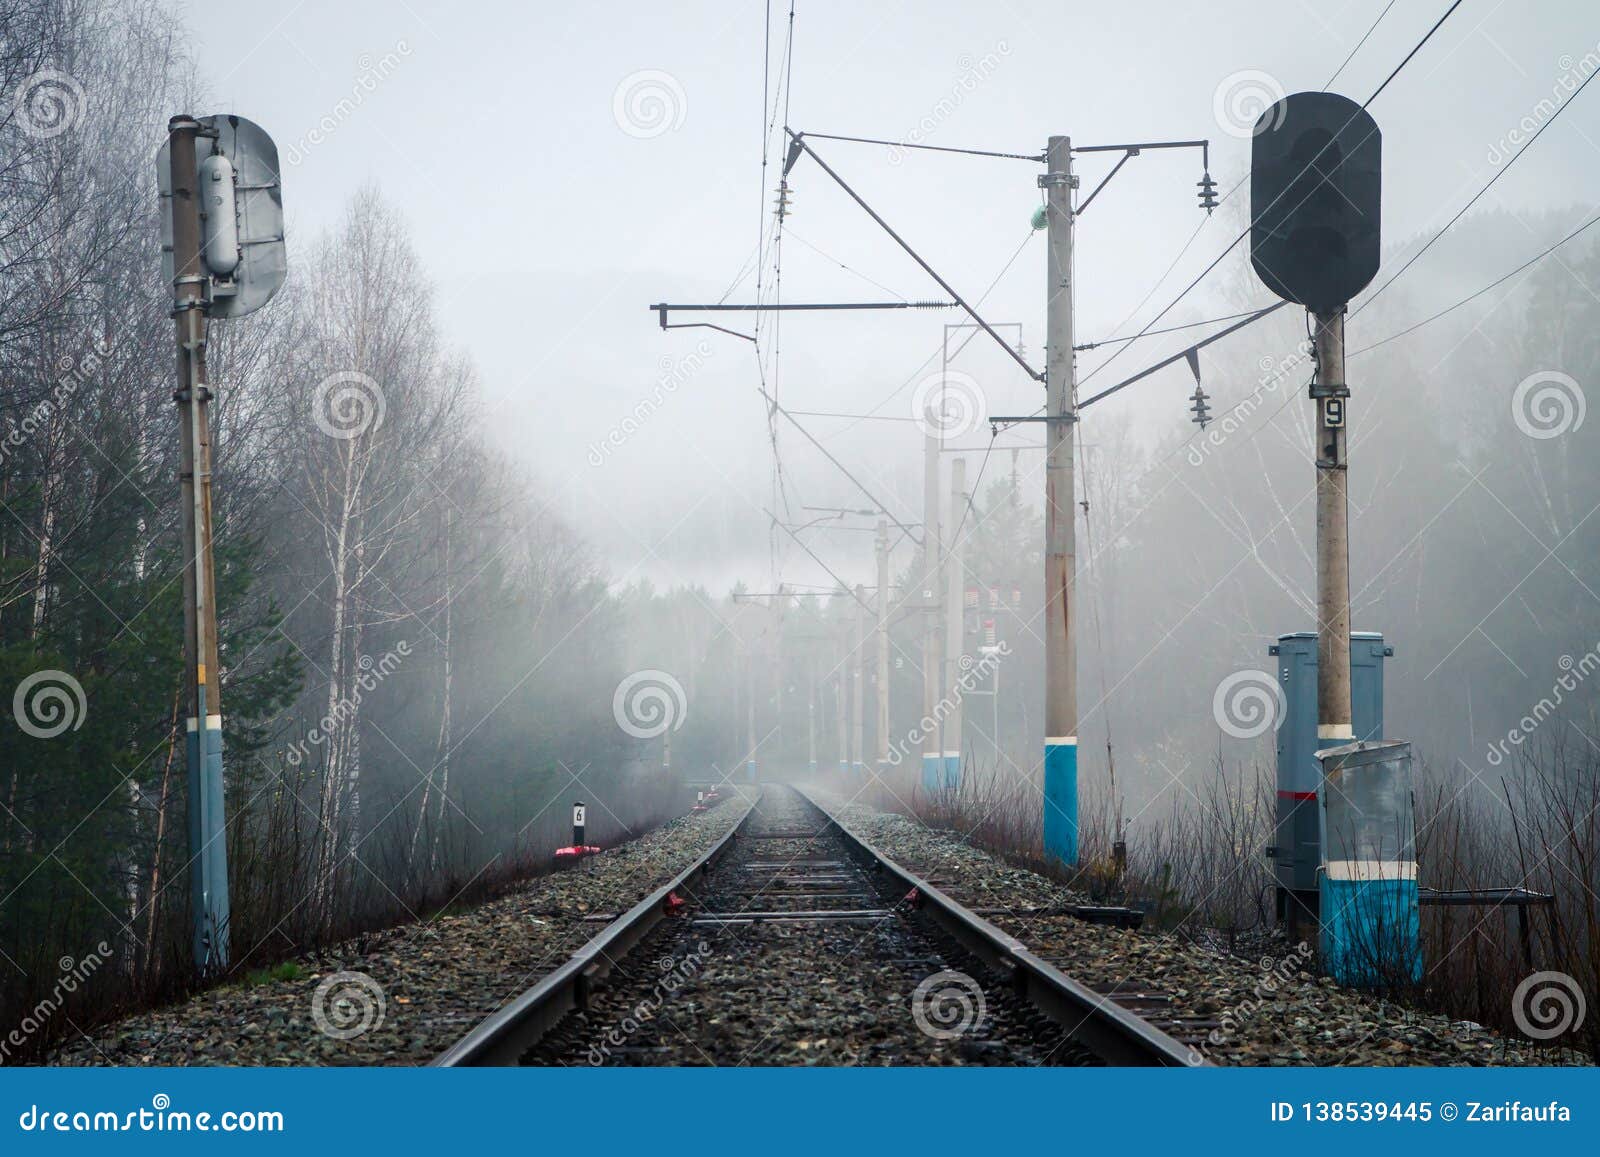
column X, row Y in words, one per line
column 1036, row 158
column 1204, row 273
column 1357, row 48
column 1429, row 36
column 1534, row 260
column 1168, row 329
column 1502, row 171
column 848, row 269
column 872, row 411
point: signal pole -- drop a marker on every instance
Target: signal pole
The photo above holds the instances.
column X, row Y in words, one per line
column 932, row 754
column 1061, row 689
column 882, row 544
column 208, row 849
column 1334, row 722
column 955, row 588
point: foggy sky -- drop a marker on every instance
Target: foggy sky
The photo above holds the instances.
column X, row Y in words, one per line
column 548, row 228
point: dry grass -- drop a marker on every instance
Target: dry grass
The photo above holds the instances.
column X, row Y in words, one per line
column 1200, row 866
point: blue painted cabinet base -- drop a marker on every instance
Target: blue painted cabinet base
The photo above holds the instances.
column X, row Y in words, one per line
column 1370, row 931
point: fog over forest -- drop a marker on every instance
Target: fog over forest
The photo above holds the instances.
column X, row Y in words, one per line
column 470, row 496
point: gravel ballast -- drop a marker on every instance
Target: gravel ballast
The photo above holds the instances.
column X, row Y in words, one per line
column 791, row 953
column 1269, row 1009
column 425, row 984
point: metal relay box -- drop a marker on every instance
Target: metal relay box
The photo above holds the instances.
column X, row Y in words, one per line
column 1297, row 850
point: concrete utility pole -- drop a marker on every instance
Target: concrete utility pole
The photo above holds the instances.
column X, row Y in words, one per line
column 954, row 611
column 841, row 684
column 858, row 747
column 208, row 849
column 882, row 543
column 1333, row 536
column 1061, row 687
column 811, row 710
column 738, row 677
column 750, row 715
column 932, row 754
column 779, row 604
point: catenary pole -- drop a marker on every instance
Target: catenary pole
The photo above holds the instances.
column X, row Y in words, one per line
column 1061, row 691
column 954, row 610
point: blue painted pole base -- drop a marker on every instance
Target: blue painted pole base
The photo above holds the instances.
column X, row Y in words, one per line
column 1061, row 801
column 952, row 769
column 1370, row 931
column 750, row 770
column 932, row 772
column 208, row 845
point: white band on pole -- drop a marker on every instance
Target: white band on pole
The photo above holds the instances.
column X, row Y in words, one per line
column 1371, row 870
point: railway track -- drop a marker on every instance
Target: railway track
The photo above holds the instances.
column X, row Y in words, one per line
column 793, row 941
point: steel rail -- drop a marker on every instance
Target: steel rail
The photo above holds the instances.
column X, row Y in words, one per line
column 1101, row 1025
column 1108, row 1030
column 511, row 1030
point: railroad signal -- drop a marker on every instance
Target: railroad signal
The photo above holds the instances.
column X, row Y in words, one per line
column 1315, row 192
column 222, row 251
column 240, row 200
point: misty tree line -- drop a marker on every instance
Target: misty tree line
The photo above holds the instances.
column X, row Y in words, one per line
column 418, row 657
